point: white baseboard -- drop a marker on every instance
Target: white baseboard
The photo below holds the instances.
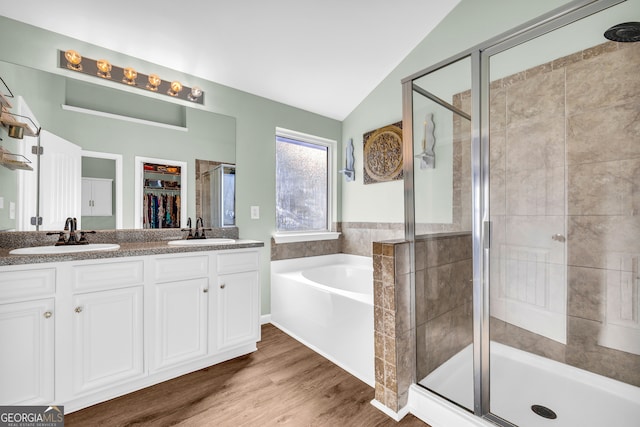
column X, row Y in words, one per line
column 265, row 318
column 396, row 416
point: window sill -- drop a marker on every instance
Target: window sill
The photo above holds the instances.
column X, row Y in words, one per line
column 305, row 237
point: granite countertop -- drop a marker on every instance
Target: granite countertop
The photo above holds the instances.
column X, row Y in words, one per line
column 132, row 243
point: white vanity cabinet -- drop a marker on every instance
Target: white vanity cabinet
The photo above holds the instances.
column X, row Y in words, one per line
column 27, row 336
column 107, row 345
column 122, row 324
column 179, row 305
column 238, row 298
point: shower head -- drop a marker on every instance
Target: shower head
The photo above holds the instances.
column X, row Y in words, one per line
column 626, row 32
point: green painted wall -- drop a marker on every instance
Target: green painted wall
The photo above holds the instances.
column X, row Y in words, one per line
column 468, row 24
column 255, row 121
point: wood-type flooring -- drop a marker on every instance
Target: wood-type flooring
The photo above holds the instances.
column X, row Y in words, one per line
column 284, row 383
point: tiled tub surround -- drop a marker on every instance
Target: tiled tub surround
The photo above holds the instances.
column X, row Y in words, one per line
column 572, row 125
column 356, row 238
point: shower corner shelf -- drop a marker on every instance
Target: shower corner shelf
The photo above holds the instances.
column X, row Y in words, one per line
column 11, row 161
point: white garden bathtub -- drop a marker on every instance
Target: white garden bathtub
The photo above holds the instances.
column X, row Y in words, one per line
column 326, row 303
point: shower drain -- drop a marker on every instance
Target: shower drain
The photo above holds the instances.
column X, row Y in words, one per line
column 544, row 412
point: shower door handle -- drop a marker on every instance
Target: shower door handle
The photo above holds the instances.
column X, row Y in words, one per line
column 558, row 238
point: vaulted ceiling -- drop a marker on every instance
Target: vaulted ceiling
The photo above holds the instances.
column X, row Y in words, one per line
column 321, row 56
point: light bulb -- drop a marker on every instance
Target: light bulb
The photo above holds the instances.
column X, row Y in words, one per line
column 104, row 68
column 154, row 82
column 196, row 93
column 74, row 60
column 175, row 88
column 129, row 76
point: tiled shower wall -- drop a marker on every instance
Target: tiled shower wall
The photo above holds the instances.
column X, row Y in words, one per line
column 565, row 138
column 444, row 298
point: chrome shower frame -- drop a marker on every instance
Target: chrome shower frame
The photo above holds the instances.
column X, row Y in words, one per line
column 481, row 225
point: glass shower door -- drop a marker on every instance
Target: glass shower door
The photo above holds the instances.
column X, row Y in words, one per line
column 442, row 184
column 563, row 259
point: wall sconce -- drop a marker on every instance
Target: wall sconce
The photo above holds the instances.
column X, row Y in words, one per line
column 348, row 171
column 428, row 156
column 72, row 60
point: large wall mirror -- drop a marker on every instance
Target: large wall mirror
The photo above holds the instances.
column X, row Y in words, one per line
column 105, row 129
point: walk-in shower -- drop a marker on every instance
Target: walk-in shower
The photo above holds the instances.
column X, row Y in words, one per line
column 537, row 137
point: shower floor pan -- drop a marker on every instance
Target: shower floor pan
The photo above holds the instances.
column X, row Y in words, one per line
column 520, row 380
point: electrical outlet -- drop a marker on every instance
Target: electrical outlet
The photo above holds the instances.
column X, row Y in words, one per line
column 255, row 212
column 1, row 202
column 12, row 210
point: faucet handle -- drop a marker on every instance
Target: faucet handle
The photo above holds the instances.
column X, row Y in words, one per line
column 60, row 234
column 83, row 239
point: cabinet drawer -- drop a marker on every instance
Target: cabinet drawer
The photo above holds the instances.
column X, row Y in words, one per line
column 107, row 275
column 181, row 267
column 27, row 283
column 232, row 262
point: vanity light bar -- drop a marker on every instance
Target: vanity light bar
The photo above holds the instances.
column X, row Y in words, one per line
column 101, row 68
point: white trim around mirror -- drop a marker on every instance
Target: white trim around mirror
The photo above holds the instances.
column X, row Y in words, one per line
column 118, row 196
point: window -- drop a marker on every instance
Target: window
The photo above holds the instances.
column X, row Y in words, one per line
column 302, row 183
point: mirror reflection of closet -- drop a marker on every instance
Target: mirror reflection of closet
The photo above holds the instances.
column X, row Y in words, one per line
column 161, row 191
column 219, row 196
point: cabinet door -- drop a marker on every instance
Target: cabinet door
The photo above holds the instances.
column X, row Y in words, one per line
column 107, row 338
column 26, row 353
column 97, row 197
column 102, row 197
column 180, row 322
column 238, row 309
column 86, row 198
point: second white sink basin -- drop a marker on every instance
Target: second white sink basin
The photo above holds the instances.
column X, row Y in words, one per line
column 201, row 242
column 52, row 250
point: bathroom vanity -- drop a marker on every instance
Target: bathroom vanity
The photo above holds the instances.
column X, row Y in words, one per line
column 81, row 329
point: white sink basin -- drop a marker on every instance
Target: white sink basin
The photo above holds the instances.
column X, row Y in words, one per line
column 52, row 250
column 200, row 242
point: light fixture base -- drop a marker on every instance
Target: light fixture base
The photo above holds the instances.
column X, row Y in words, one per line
column 140, row 81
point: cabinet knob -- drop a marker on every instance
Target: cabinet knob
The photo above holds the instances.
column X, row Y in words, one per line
column 47, row 314
column 205, row 290
column 78, row 309
column 222, row 286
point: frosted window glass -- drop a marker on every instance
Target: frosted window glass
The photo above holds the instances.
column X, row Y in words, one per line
column 301, row 185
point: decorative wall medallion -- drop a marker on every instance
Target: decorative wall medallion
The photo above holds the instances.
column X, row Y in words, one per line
column 383, row 154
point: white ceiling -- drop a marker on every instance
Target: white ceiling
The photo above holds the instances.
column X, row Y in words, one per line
column 323, row 56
